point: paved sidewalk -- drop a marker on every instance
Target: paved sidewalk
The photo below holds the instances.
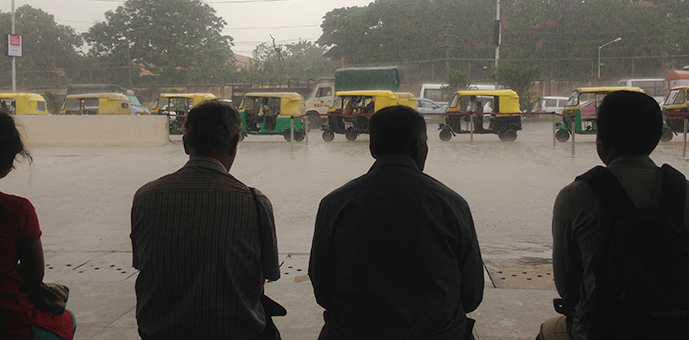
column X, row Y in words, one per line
column 102, row 298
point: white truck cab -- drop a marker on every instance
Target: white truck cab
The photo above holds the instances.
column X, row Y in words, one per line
column 320, row 100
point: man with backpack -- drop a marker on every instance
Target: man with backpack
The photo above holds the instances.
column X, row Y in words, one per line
column 621, row 236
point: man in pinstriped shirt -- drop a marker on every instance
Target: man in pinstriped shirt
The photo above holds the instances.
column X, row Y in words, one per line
column 203, row 256
column 395, row 253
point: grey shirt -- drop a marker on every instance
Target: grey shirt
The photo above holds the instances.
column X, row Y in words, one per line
column 580, row 221
column 203, row 257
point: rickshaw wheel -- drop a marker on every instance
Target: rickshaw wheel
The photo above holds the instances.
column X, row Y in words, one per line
column 288, row 135
column 299, row 136
column 445, row 135
column 351, row 136
column 328, row 136
column 562, row 135
column 509, row 135
column 667, row 134
column 241, row 136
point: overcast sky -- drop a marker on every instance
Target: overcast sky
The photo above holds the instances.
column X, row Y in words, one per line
column 249, row 22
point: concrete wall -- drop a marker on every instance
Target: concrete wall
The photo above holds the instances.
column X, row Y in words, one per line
column 93, row 130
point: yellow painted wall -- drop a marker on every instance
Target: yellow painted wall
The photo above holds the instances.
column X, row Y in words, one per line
column 93, row 130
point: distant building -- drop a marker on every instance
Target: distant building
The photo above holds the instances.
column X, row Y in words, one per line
column 241, row 61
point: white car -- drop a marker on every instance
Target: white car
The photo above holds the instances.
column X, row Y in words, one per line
column 427, row 107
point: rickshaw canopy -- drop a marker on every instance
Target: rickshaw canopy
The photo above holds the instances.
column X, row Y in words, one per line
column 608, row 89
column 383, row 98
column 291, row 103
column 108, row 103
column 508, row 100
column 196, row 97
column 677, row 98
column 26, row 103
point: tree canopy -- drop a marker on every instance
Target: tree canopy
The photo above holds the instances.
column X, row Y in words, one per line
column 168, row 42
column 49, row 50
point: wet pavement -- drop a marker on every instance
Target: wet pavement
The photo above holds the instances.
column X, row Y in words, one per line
column 83, row 194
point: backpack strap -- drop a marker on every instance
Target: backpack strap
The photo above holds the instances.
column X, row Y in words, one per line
column 611, row 193
column 674, row 192
column 617, row 201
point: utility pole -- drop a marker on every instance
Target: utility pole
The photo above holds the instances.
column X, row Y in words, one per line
column 498, row 37
column 14, row 59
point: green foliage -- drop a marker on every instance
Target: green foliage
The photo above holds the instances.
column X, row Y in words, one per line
column 456, row 80
column 176, row 42
column 518, row 77
column 53, row 102
column 49, row 50
column 302, row 60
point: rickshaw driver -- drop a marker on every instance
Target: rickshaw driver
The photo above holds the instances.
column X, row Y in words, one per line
column 254, row 122
column 475, row 107
column 3, row 107
column 351, row 105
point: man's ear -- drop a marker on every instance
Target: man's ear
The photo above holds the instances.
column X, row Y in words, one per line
column 234, row 143
column 186, row 148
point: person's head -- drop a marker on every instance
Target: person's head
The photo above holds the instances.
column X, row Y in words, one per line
column 472, row 98
column 213, row 129
column 10, row 144
column 399, row 130
column 629, row 123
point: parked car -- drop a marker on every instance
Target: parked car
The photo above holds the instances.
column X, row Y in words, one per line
column 426, row 107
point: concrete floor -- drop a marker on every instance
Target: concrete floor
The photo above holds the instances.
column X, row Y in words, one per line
column 83, row 195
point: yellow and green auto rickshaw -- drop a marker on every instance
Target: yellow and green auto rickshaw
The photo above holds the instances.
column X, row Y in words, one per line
column 354, row 108
column 483, row 112
column 270, row 113
column 675, row 110
column 96, row 104
column 23, row 103
column 583, row 105
column 177, row 105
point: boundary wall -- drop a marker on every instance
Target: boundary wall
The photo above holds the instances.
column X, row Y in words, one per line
column 93, row 130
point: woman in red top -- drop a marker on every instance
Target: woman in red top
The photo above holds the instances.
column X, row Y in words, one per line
column 20, row 242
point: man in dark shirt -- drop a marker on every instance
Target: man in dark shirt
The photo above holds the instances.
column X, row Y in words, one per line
column 197, row 239
column 394, row 253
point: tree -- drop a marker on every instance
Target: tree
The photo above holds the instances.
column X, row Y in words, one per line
column 518, row 76
column 301, row 60
column 179, row 42
column 49, row 50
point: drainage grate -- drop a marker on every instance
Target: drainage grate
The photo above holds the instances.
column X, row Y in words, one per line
column 89, row 266
column 294, row 268
column 540, row 277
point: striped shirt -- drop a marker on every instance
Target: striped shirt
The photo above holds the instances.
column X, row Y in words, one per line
column 395, row 256
column 202, row 256
column 580, row 220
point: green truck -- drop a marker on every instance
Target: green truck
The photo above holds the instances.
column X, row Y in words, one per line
column 348, row 79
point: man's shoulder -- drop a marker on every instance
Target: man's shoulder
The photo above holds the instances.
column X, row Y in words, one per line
column 414, row 181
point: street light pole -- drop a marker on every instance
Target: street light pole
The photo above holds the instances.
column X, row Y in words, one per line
column 14, row 59
column 600, row 47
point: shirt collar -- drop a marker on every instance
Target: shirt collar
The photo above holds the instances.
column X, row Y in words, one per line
column 206, row 162
column 635, row 160
column 394, row 160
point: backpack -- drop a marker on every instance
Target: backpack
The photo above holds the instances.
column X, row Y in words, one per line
column 642, row 276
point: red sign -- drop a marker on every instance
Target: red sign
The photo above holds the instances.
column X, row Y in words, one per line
column 14, row 48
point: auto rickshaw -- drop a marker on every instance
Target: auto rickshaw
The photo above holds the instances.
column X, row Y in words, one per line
column 484, row 111
column 675, row 110
column 352, row 103
column 583, row 105
column 177, row 105
column 269, row 113
column 96, row 104
column 23, row 104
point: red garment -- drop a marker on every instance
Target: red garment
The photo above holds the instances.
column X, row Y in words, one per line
column 18, row 228
column 62, row 325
